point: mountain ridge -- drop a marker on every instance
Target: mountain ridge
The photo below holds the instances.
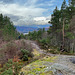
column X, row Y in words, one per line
column 26, row 29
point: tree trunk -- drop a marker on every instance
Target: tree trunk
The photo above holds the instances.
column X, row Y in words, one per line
column 63, row 32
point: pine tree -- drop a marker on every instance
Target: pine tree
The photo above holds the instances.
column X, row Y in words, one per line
column 63, row 23
column 7, row 28
column 63, row 17
column 55, row 19
column 63, row 10
column 1, row 21
column 71, row 8
column 72, row 3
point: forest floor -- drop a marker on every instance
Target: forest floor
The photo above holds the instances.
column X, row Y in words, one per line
column 49, row 64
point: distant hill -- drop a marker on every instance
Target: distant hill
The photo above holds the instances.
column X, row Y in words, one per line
column 26, row 29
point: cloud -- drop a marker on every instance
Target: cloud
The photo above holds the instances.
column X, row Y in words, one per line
column 27, row 12
column 41, row 20
column 21, row 14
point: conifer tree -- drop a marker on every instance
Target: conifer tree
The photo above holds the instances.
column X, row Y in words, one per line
column 63, row 17
column 55, row 19
column 71, row 8
column 1, row 21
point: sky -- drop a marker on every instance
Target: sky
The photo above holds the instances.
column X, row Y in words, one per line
column 29, row 12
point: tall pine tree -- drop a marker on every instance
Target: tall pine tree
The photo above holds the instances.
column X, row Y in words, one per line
column 55, row 19
column 71, row 8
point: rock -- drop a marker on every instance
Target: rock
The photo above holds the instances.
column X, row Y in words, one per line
column 40, row 67
column 72, row 60
column 64, row 69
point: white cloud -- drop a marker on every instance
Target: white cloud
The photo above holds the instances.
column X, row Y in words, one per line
column 24, row 14
column 42, row 20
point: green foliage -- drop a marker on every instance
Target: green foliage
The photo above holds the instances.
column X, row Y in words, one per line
column 49, row 30
column 45, row 42
column 25, row 57
column 22, row 36
column 32, row 35
column 58, row 30
column 17, row 67
column 58, row 16
column 63, row 24
column 67, row 27
column 7, row 72
column 10, row 68
column 25, row 54
column 35, row 35
column 72, row 7
column 69, row 35
column 55, row 20
column 71, row 52
column 1, row 21
column 8, row 30
column 54, row 51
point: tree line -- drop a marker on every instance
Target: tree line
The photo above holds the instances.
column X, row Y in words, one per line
column 62, row 23
column 7, row 30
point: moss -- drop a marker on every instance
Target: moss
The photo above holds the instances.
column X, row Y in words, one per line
column 49, row 59
column 35, row 52
column 47, row 73
column 39, row 67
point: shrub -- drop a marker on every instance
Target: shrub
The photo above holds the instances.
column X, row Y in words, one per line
column 7, row 72
column 25, row 54
column 24, row 51
column 54, row 51
column 25, row 58
column 13, row 48
column 26, row 45
column 10, row 68
column 10, row 50
column 45, row 43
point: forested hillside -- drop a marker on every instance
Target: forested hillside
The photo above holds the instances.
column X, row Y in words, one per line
column 7, row 30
